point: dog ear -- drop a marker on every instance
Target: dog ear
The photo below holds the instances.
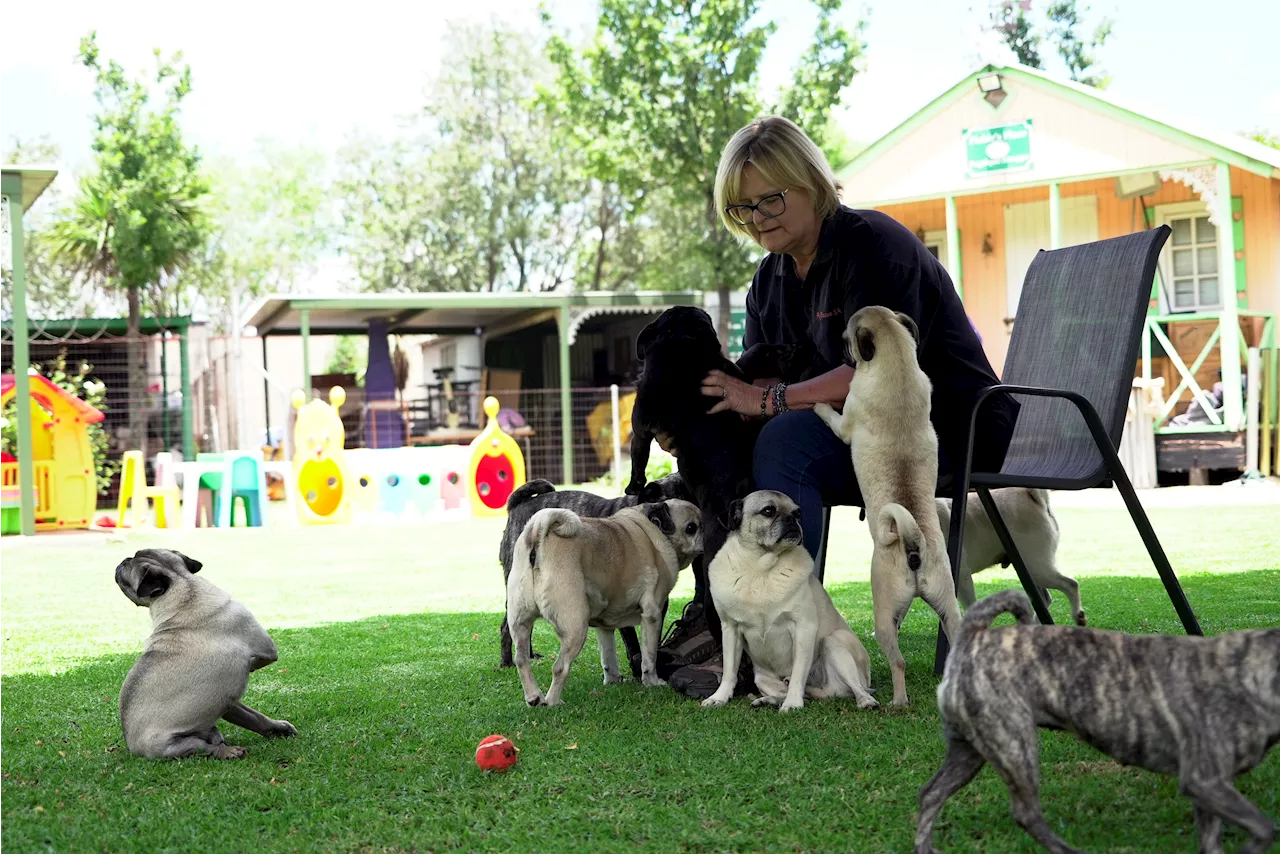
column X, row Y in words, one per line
column 906, row 321
column 660, row 515
column 652, row 493
column 152, row 584
column 645, row 339
column 193, row 565
column 866, row 342
column 735, row 514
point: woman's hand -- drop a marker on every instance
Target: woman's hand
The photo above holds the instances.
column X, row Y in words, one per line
column 734, row 394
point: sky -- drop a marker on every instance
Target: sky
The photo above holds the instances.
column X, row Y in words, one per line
column 316, row 73
column 313, row 73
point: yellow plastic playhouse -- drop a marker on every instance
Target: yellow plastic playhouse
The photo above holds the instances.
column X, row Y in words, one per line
column 65, row 477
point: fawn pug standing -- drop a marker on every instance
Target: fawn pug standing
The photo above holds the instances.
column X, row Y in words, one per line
column 895, row 458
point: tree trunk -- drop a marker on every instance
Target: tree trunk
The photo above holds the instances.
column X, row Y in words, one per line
column 604, row 232
column 725, row 314
column 136, row 353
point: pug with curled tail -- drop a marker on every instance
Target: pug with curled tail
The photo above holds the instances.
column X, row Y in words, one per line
column 196, row 664
column 895, row 458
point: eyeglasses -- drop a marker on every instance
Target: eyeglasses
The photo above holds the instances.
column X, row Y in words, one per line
column 770, row 206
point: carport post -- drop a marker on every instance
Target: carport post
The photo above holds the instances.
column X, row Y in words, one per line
column 306, row 351
column 188, row 402
column 21, row 360
column 566, row 399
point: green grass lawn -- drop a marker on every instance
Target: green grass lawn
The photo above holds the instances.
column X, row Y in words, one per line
column 388, row 653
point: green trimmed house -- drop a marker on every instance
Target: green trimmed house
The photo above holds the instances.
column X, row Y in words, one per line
column 1011, row 160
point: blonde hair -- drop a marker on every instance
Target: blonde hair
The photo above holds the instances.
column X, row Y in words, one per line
column 785, row 157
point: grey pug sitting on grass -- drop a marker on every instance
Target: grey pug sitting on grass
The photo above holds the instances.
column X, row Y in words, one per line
column 1203, row 709
column 196, row 663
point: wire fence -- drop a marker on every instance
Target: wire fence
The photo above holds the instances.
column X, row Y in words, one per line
column 145, row 413
column 531, row 416
column 227, row 407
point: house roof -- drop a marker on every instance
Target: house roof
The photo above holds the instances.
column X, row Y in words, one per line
column 49, row 396
column 1215, row 144
column 444, row 313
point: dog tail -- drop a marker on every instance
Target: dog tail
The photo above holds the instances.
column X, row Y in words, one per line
column 551, row 520
column 532, row 489
column 982, row 613
column 899, row 525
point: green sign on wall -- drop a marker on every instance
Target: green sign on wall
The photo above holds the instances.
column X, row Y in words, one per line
column 1003, row 149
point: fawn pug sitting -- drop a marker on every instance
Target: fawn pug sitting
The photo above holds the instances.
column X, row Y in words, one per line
column 196, row 664
column 770, row 600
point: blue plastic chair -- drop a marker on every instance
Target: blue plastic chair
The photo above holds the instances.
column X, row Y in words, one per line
column 241, row 479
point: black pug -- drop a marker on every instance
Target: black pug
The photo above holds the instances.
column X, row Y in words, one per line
column 539, row 494
column 714, row 451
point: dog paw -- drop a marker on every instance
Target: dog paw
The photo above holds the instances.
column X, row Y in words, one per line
column 536, row 701
column 791, row 705
column 714, row 702
column 899, row 702
column 868, row 703
column 761, row 702
column 653, row 681
column 282, row 729
column 635, row 487
column 226, row 751
column 1080, row 617
column 613, row 679
column 556, row 702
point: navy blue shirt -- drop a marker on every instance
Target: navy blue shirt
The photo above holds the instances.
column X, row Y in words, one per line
column 868, row 258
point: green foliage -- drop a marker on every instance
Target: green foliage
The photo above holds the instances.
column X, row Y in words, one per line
column 269, row 220
column 652, row 101
column 81, row 384
column 1012, row 20
column 473, row 197
column 1263, row 136
column 349, row 357
column 53, row 289
column 138, row 218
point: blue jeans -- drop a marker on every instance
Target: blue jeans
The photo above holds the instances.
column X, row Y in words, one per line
column 799, row 456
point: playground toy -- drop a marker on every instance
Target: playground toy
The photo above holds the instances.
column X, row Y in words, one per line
column 497, row 466
column 62, row 458
column 133, row 488
column 319, row 466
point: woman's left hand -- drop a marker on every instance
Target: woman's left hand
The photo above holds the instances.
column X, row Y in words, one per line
column 735, row 395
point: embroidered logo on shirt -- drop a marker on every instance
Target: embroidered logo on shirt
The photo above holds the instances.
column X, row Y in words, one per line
column 823, row 315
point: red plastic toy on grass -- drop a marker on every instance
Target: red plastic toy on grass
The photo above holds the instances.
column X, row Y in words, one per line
column 497, row 753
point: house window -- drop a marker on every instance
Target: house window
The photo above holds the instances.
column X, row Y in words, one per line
column 1189, row 262
column 936, row 243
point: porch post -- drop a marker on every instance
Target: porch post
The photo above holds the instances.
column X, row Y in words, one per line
column 1229, row 320
column 21, row 360
column 1055, row 216
column 953, row 247
column 566, row 398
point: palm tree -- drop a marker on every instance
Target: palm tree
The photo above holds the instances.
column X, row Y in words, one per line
column 87, row 239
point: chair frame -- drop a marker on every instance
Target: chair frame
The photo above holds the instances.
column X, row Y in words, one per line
column 1111, row 470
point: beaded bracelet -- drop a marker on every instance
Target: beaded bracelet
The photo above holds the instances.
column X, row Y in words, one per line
column 764, row 398
column 780, row 398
